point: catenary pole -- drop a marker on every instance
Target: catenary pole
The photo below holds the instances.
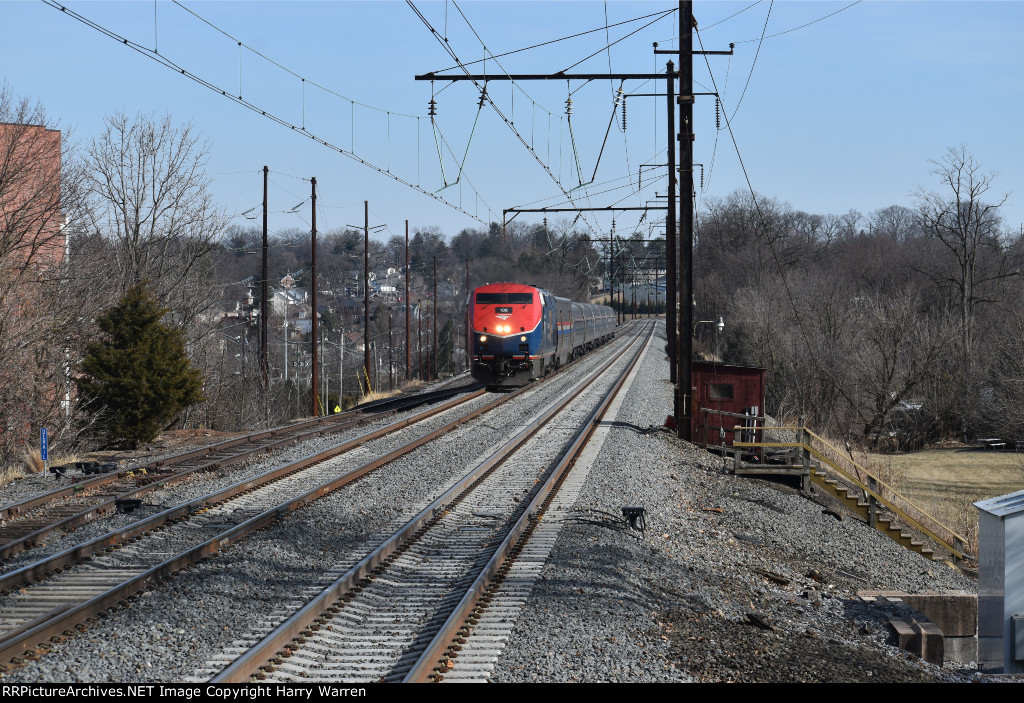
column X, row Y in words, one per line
column 366, row 293
column 686, row 137
column 408, row 304
column 316, row 327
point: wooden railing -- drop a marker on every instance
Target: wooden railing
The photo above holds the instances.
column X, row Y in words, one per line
column 850, row 472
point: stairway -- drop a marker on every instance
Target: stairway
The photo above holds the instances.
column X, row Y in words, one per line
column 853, row 499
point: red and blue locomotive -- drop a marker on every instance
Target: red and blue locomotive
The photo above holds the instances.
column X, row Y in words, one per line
column 518, row 333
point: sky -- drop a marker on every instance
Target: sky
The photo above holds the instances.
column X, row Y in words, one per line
column 844, row 113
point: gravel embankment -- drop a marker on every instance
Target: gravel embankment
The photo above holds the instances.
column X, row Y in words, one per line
column 170, row 633
column 673, row 606
column 677, row 605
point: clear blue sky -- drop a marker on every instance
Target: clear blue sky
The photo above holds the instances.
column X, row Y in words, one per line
column 844, row 113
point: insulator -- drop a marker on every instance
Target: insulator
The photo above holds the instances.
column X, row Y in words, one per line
column 702, row 176
column 483, row 96
column 623, row 114
column 432, row 108
column 718, row 121
column 568, row 105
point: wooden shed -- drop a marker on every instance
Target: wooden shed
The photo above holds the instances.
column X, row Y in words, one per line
column 721, row 392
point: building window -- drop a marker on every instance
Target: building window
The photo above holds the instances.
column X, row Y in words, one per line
column 721, row 391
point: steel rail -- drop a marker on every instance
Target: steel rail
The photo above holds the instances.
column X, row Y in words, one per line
column 77, row 553
column 61, row 621
column 64, row 620
column 288, row 435
column 314, row 613
column 430, row 663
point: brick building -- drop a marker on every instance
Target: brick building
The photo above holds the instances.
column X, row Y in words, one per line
column 32, row 249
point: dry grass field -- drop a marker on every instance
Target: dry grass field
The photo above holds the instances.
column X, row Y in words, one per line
column 945, row 482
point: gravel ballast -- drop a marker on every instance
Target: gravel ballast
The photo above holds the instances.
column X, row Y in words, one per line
column 681, row 603
column 677, row 605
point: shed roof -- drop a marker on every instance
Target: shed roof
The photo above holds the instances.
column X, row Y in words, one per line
column 1003, row 506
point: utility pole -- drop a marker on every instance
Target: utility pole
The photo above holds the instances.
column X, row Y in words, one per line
column 366, row 292
column 408, row 303
column 465, row 321
column 686, row 137
column 670, row 235
column 264, row 313
column 391, row 351
column 679, row 353
column 435, row 318
column 316, row 326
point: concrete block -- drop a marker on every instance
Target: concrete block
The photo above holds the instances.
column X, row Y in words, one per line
column 956, row 614
column 931, row 645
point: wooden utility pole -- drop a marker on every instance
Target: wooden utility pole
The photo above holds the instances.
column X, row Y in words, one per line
column 408, row 304
column 435, row 318
column 366, row 293
column 316, row 326
column 264, row 312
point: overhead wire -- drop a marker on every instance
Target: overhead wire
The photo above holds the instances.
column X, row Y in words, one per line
column 807, row 24
column 754, row 63
column 560, row 39
column 771, row 244
column 445, row 45
column 282, row 66
column 623, row 38
column 168, row 63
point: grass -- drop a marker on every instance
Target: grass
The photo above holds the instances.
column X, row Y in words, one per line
column 946, row 482
column 31, row 463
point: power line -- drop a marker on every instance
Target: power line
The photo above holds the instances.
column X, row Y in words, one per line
column 771, row 244
column 808, row 24
column 163, row 60
column 756, row 54
column 284, row 68
column 445, row 45
column 555, row 41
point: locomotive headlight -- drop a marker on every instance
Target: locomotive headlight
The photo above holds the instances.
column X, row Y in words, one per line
column 507, row 329
column 523, row 338
column 483, row 338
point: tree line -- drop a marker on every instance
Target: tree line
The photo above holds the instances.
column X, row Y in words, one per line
column 898, row 326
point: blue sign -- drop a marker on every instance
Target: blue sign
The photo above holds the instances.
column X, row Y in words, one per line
column 42, row 443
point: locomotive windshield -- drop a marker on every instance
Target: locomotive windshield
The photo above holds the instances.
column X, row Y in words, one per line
column 507, row 298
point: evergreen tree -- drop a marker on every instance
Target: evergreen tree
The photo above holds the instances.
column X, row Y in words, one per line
column 138, row 377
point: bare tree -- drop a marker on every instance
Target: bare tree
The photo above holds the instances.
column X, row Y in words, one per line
column 899, row 347
column 39, row 315
column 966, row 226
column 150, row 197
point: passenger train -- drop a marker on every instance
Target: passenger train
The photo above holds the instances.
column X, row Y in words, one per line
column 517, row 333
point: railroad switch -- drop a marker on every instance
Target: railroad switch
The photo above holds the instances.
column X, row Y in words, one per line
column 635, row 517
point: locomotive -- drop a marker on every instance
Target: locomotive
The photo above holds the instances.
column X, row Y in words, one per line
column 517, row 333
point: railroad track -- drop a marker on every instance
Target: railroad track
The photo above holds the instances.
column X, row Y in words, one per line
column 28, row 523
column 403, row 611
column 51, row 599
